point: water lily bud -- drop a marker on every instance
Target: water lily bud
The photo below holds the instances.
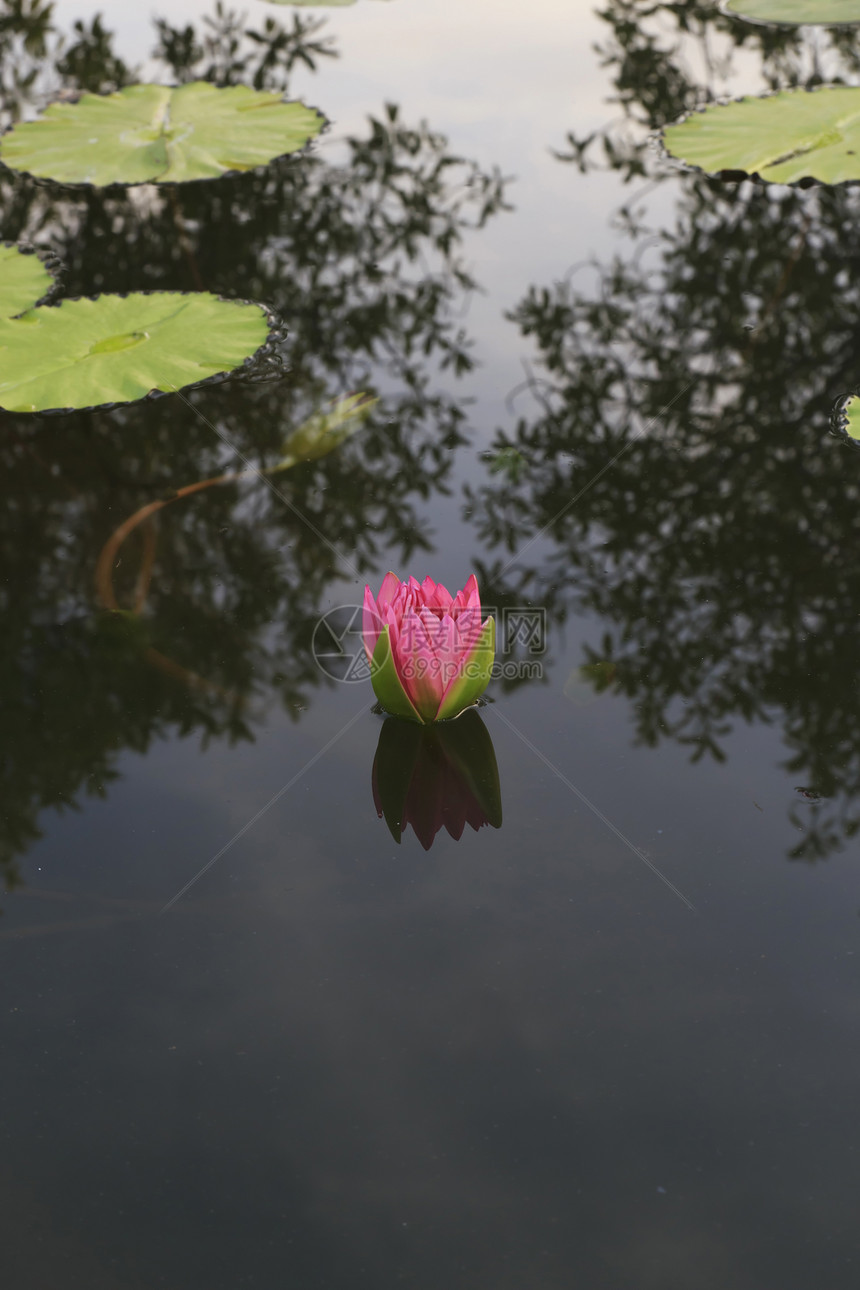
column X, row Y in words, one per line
column 430, row 655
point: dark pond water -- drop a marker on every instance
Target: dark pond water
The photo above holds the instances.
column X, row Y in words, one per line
column 247, row 1038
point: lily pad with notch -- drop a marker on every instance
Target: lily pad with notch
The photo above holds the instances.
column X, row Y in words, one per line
column 792, row 137
column 158, row 134
column 116, row 349
column 796, row 13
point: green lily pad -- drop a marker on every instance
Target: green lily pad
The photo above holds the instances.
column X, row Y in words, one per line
column 116, row 349
column 821, row 13
column 155, row 134
column 23, row 280
column 847, row 418
column 785, row 138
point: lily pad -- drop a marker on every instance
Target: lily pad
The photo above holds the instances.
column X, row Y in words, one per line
column 847, row 418
column 785, row 138
column 116, row 349
column 821, row 13
column 155, row 134
column 23, row 280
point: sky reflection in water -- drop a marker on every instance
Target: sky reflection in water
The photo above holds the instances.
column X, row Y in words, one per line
column 517, row 1057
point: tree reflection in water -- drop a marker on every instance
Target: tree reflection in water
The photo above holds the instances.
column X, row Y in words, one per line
column 717, row 547
column 362, row 262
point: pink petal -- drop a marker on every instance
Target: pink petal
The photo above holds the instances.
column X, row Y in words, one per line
column 469, row 627
column 371, row 623
column 400, row 655
column 471, row 593
column 446, row 645
column 469, row 597
column 388, row 590
column 442, row 599
column 417, row 665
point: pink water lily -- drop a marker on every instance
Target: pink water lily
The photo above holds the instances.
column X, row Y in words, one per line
column 430, row 654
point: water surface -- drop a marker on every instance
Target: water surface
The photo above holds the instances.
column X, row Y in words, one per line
column 248, row 1038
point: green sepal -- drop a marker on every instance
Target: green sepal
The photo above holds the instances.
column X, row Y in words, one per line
column 475, row 676
column 387, row 685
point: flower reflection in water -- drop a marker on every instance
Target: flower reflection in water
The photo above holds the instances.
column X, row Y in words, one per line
column 434, row 777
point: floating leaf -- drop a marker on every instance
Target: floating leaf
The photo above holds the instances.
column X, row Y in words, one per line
column 154, row 134
column 787, row 137
column 847, row 417
column 821, row 13
column 115, row 349
column 23, row 280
